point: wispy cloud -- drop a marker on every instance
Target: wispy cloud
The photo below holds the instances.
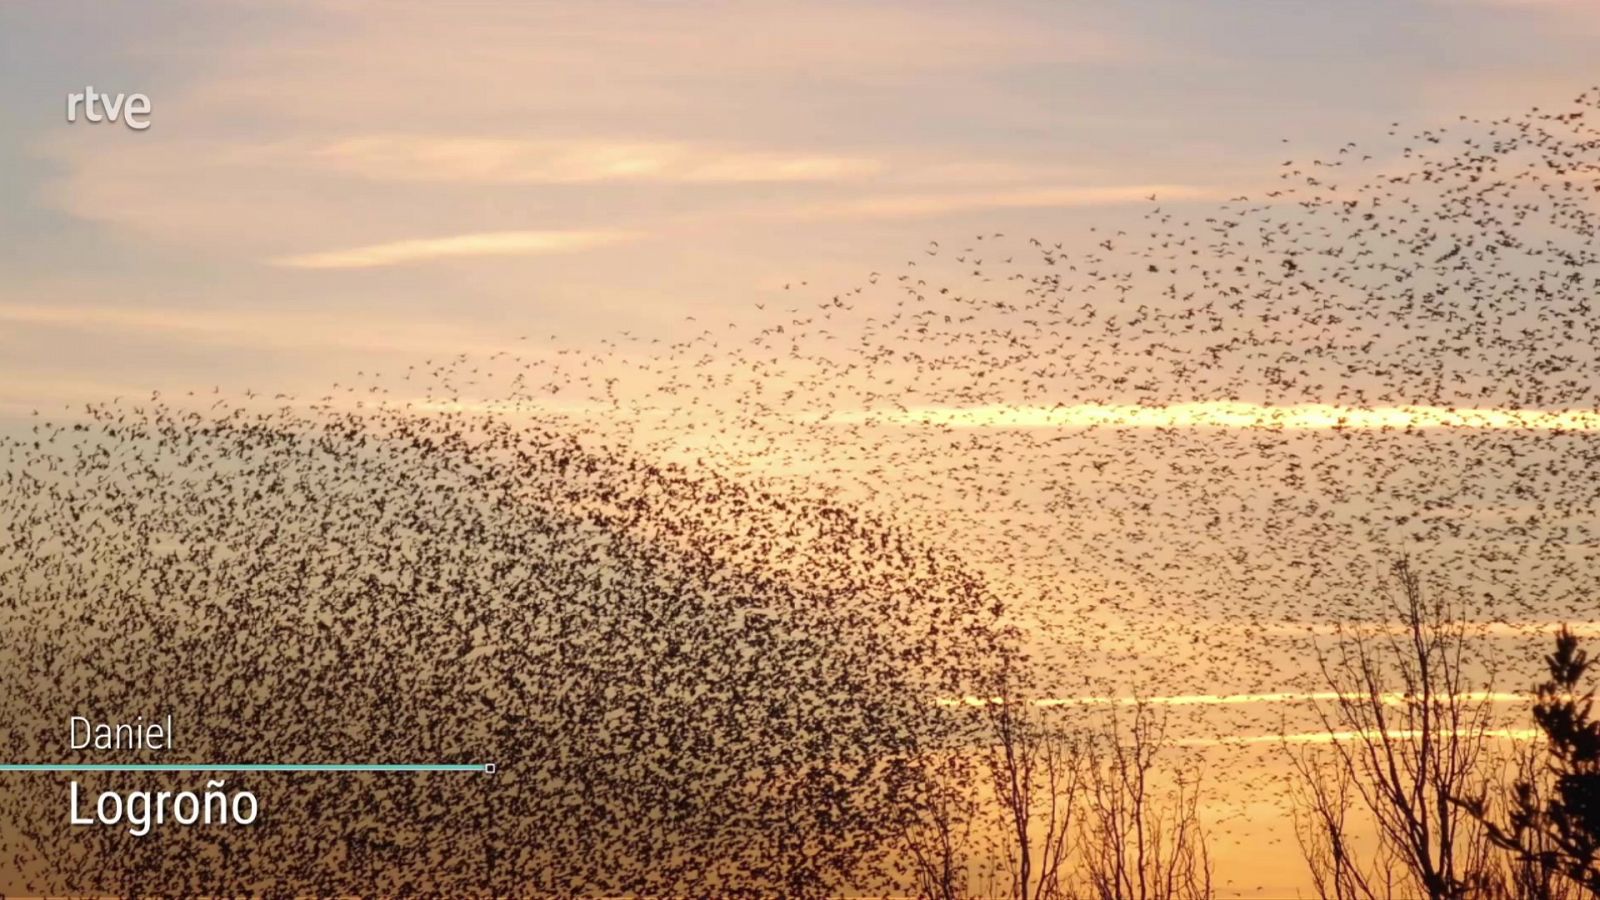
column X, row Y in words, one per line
column 22, row 394
column 490, row 243
column 908, row 205
column 505, row 160
column 281, row 329
column 1233, row 414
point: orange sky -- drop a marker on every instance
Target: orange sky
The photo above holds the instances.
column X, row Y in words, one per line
column 332, row 186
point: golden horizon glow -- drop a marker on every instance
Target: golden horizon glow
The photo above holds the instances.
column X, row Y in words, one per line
column 1235, row 414
column 1391, row 698
column 1331, row 737
column 1298, row 737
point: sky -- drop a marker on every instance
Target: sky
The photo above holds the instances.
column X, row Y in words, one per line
column 332, row 186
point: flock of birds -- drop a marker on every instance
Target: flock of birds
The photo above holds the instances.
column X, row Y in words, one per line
column 687, row 686
column 695, row 597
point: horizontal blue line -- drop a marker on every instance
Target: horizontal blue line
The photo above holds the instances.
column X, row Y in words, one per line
column 245, row 767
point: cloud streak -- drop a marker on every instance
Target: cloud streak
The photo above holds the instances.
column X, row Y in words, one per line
column 1233, row 414
column 511, row 161
column 910, row 205
column 1344, row 737
column 490, row 243
column 283, row 330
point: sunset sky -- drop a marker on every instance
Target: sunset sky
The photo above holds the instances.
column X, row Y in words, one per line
column 332, row 186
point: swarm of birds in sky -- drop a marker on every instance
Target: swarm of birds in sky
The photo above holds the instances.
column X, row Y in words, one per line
column 686, row 685
column 696, row 596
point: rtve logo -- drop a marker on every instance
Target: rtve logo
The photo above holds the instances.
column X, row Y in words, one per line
column 132, row 109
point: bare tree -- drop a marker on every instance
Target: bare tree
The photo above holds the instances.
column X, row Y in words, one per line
column 1142, row 837
column 1407, row 736
column 1323, row 795
column 938, row 816
column 1035, row 768
column 996, row 819
column 1042, row 812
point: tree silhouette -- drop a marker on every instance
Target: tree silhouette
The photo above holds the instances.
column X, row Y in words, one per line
column 1407, row 737
column 1038, row 811
column 1553, row 823
column 998, row 817
column 1143, row 842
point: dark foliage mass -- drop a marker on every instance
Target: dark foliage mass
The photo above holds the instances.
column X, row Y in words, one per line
column 1553, row 822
